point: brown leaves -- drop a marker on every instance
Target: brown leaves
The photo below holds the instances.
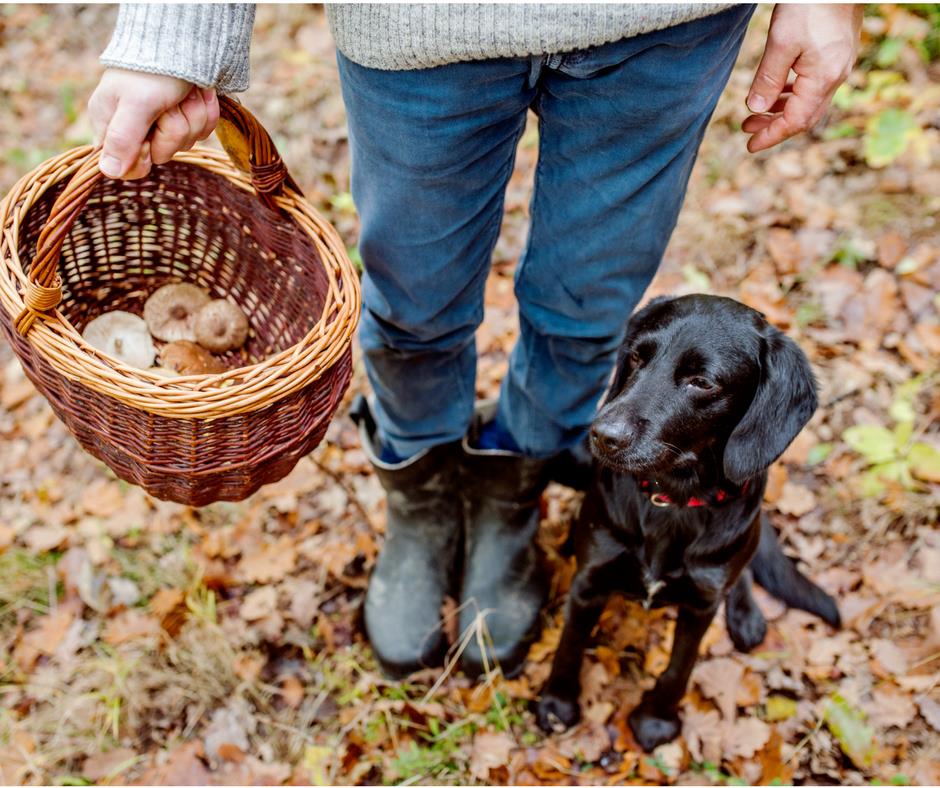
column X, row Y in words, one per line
column 102, row 498
column 259, row 597
column 891, row 249
column 131, row 626
column 106, row 767
column 795, row 499
column 45, row 638
column 272, row 561
column 718, row 679
column 930, row 711
column 784, row 250
column 169, row 606
column 745, row 737
column 490, row 751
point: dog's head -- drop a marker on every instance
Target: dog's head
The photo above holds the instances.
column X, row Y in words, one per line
column 701, row 375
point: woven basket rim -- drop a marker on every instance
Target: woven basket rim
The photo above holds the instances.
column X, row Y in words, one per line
column 229, row 393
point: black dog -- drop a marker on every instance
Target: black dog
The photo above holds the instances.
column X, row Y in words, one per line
column 705, row 397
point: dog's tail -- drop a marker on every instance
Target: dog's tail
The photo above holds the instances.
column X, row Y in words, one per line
column 778, row 575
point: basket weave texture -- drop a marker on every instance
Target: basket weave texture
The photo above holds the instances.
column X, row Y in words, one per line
column 75, row 245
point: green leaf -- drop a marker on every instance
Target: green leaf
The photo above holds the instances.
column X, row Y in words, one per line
column 892, row 471
column 840, row 131
column 888, row 52
column 818, row 453
column 851, row 252
column 343, row 202
column 874, row 442
column 695, row 278
column 924, row 461
column 780, row 707
column 903, row 430
column 845, row 97
column 870, row 485
column 902, row 410
column 855, row 737
column 888, row 134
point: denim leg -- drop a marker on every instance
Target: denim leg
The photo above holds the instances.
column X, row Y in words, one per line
column 432, row 151
column 620, row 126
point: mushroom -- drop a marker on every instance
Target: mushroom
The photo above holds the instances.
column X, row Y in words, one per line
column 221, row 326
column 187, row 358
column 122, row 335
column 170, row 312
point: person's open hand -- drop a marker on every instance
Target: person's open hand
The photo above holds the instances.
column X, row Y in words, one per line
column 819, row 42
column 142, row 119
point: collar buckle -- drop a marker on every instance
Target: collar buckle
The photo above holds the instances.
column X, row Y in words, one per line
column 658, row 499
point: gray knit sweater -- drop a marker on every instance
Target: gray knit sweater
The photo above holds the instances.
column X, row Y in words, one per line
column 208, row 43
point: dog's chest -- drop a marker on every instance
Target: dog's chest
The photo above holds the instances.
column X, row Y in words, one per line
column 659, row 566
column 655, row 567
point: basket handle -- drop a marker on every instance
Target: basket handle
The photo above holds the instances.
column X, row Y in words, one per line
column 246, row 142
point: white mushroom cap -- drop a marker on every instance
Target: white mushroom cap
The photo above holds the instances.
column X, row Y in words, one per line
column 122, row 335
column 170, row 311
column 221, row 326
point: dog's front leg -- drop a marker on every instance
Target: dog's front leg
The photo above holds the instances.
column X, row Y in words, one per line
column 656, row 720
column 745, row 621
column 558, row 708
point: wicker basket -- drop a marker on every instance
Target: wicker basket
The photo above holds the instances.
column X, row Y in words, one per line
column 75, row 244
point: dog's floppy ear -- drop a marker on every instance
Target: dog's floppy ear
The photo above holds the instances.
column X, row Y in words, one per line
column 622, row 368
column 783, row 402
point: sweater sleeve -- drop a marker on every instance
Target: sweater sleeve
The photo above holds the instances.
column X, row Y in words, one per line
column 203, row 43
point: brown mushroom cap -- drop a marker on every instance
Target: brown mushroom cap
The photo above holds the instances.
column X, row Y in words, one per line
column 122, row 335
column 221, row 326
column 188, row 358
column 170, row 312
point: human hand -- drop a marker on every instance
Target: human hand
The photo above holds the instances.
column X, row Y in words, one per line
column 819, row 42
column 142, row 119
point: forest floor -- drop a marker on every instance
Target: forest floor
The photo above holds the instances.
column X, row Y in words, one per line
column 146, row 642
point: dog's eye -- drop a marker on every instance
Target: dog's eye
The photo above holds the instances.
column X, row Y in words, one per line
column 703, row 384
column 635, row 359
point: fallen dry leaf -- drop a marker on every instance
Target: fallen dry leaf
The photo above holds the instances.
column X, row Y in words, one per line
column 45, row 638
column 131, row 625
column 889, row 659
column 489, row 751
column 106, row 766
column 890, row 707
column 260, row 603
column 270, row 561
column 719, row 680
column 102, row 498
column 891, row 249
column 43, row 538
column 744, row 737
column 795, row 499
column 930, row 711
column 292, row 690
column 588, row 741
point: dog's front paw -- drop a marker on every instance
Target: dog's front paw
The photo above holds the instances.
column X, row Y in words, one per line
column 555, row 713
column 651, row 728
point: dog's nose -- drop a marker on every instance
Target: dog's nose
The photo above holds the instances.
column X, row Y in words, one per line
column 608, row 436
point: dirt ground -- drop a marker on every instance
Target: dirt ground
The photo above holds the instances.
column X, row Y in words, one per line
column 146, row 642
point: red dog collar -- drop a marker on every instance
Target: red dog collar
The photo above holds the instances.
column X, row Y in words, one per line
column 663, row 500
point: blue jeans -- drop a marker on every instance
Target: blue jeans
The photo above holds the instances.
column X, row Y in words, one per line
column 432, row 152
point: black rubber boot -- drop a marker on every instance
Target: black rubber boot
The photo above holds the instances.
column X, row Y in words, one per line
column 416, row 566
column 504, row 581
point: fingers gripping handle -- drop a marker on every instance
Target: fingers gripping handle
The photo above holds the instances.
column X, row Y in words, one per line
column 245, row 140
